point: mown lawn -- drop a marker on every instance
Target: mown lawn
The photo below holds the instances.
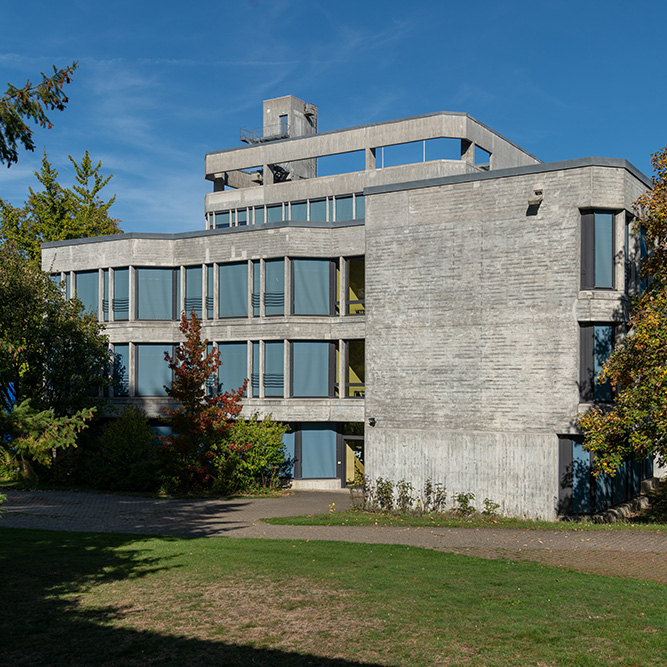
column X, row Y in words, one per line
column 451, row 520
column 100, row 599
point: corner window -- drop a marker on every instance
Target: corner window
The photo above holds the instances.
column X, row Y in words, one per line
column 121, row 369
column 193, row 290
column 274, row 294
column 356, row 286
column 597, row 250
column 355, row 380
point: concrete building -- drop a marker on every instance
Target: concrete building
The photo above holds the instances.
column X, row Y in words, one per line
column 437, row 315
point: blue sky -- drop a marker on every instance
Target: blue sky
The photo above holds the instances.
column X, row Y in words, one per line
column 161, row 83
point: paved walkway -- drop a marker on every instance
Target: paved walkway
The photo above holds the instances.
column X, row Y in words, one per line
column 634, row 554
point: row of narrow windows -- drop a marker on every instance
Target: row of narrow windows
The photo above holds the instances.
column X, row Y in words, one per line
column 255, row 288
column 339, row 208
column 274, row 369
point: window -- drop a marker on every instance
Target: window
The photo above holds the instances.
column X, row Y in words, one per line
column 344, row 208
column 153, row 372
column 256, row 268
column 222, row 219
column 233, row 369
column 313, row 369
column 580, row 492
column 121, row 369
column 299, row 211
column 356, row 286
column 259, row 215
column 242, row 217
column 87, row 290
column 233, row 290
column 355, row 381
column 105, row 295
column 284, row 124
column 597, row 342
column 209, row 292
column 360, row 207
column 255, row 369
column 193, row 290
column 318, row 210
column 121, row 296
column 274, row 213
column 312, row 284
column 274, row 294
column 274, row 377
column 597, row 250
column 157, row 293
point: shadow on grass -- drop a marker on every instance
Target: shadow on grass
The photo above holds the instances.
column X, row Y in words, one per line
column 42, row 623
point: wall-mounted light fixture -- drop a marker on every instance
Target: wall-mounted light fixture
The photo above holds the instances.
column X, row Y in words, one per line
column 371, row 421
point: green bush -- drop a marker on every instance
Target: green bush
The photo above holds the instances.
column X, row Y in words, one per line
column 252, row 458
column 125, row 460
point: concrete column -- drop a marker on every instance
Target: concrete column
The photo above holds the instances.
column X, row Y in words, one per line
column 267, row 174
column 287, row 371
column 371, row 161
column 342, row 368
column 342, row 279
column 468, row 151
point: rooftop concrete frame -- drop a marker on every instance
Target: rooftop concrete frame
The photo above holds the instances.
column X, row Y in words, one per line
column 504, row 153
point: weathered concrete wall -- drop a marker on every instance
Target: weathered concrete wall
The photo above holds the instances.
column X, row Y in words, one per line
column 472, row 330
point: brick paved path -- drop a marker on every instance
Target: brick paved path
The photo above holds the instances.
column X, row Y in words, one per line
column 634, row 554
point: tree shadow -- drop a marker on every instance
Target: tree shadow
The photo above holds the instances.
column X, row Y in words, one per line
column 43, row 622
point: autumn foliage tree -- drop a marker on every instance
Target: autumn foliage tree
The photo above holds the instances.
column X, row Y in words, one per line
column 19, row 106
column 636, row 423
column 201, row 421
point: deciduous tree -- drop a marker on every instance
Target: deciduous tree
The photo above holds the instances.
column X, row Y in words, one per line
column 636, row 423
column 19, row 106
column 201, row 420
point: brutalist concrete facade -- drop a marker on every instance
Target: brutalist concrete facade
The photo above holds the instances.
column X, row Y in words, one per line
column 471, row 317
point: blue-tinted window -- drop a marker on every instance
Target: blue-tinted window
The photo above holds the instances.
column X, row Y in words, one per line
column 121, row 298
column 318, row 451
column 87, row 290
column 344, row 208
column 318, row 210
column 153, row 372
column 274, row 213
column 222, row 219
column 259, row 215
column 311, row 368
column 105, row 299
column 312, row 286
column 155, row 294
column 274, row 378
column 603, row 345
column 234, row 290
column 274, row 294
column 209, row 291
column 121, row 369
column 234, row 367
column 256, row 269
column 604, row 250
column 242, row 217
column 193, row 290
column 360, row 207
column 255, row 369
column 299, row 211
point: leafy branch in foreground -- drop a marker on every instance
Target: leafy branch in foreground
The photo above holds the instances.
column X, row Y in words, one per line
column 18, row 106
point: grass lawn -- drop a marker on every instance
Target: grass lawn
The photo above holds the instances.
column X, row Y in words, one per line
column 448, row 520
column 101, row 599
